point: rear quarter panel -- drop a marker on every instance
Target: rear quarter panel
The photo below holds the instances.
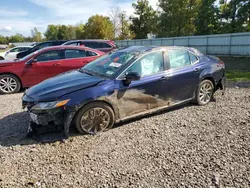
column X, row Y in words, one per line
column 211, row 69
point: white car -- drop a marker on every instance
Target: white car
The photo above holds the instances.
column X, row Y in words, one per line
column 11, row 53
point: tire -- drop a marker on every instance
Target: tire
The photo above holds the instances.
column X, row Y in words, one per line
column 204, row 93
column 1, row 58
column 9, row 84
column 94, row 124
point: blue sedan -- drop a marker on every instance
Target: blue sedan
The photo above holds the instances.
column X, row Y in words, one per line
column 121, row 85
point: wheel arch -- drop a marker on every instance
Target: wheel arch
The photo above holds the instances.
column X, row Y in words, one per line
column 208, row 78
column 9, row 73
column 97, row 101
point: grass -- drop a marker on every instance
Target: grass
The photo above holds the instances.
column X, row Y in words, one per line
column 237, row 69
column 238, row 75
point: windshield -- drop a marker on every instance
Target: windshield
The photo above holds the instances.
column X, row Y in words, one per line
column 108, row 65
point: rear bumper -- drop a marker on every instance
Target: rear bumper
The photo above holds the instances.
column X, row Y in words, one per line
column 222, row 85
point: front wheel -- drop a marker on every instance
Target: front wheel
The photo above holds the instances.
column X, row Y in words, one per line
column 204, row 92
column 9, row 84
column 94, row 117
column 1, row 58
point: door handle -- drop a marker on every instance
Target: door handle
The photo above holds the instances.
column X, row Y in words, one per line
column 196, row 70
column 56, row 64
column 164, row 78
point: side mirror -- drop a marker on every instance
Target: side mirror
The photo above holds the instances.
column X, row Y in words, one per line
column 131, row 76
column 31, row 61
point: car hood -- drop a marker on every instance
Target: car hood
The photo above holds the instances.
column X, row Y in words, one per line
column 4, row 63
column 55, row 87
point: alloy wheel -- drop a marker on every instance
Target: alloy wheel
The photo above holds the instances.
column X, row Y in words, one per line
column 8, row 85
column 95, row 120
column 206, row 92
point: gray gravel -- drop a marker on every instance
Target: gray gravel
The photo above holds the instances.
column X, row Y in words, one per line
column 187, row 147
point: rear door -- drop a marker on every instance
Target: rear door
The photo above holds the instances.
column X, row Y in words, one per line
column 184, row 71
column 76, row 58
column 47, row 65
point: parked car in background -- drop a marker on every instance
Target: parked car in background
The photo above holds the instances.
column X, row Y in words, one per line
column 43, row 64
column 102, row 45
column 3, row 47
column 124, row 84
column 40, row 46
column 11, row 53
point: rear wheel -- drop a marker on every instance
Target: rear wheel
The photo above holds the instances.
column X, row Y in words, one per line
column 94, row 117
column 9, row 84
column 204, row 92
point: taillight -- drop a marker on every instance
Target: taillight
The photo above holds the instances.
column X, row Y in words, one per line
column 112, row 43
column 221, row 64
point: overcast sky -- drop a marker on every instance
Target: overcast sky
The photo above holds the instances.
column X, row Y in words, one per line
column 20, row 16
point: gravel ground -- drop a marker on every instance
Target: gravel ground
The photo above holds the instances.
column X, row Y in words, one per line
column 190, row 146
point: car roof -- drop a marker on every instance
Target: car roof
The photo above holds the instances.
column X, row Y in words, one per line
column 69, row 47
column 22, row 47
column 144, row 49
column 90, row 40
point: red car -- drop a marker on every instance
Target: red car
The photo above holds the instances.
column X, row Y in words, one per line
column 43, row 64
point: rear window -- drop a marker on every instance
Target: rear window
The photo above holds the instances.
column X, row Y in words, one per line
column 97, row 45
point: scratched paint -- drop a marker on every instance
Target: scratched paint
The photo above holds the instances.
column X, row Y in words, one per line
column 131, row 102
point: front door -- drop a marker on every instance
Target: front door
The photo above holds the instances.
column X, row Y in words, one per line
column 149, row 92
column 46, row 65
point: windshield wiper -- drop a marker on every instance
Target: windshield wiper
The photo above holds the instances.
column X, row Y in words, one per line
column 92, row 73
column 86, row 72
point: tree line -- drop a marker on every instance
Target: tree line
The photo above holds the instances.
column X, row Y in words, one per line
column 172, row 18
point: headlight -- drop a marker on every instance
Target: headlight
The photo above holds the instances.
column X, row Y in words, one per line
column 50, row 105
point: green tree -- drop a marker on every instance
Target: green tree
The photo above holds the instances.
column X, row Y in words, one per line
column 36, row 35
column 51, row 32
column 99, row 27
column 125, row 32
column 71, row 32
column 235, row 16
column 177, row 17
column 144, row 21
column 3, row 40
column 80, row 31
column 207, row 20
column 16, row 38
column 62, row 32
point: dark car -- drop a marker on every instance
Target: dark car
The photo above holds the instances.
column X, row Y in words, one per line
column 43, row 64
column 102, row 45
column 40, row 46
column 121, row 85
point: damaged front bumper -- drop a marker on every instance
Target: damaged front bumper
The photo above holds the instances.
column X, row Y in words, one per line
column 54, row 119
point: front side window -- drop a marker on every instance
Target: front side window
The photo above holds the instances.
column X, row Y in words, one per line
column 73, row 53
column 108, row 65
column 15, row 50
column 178, row 58
column 49, row 56
column 149, row 64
